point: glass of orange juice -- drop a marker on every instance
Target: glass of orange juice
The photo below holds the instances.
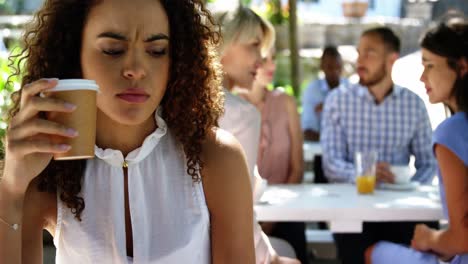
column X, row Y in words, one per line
column 365, row 162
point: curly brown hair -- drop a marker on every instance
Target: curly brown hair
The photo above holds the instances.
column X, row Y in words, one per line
column 191, row 105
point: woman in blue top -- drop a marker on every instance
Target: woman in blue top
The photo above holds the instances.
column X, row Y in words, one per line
column 445, row 60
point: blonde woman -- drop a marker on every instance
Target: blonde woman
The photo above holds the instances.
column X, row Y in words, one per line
column 245, row 37
column 280, row 158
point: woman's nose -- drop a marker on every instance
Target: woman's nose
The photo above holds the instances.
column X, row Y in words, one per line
column 422, row 78
column 134, row 69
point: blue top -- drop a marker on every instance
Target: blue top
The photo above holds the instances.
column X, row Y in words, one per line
column 315, row 94
column 452, row 134
column 396, row 128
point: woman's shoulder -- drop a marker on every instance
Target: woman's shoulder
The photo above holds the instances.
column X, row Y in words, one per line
column 456, row 125
column 220, row 148
column 223, row 158
column 452, row 134
column 224, row 171
column 280, row 95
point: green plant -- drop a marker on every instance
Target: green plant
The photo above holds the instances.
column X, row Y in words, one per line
column 6, row 7
column 10, row 7
column 275, row 12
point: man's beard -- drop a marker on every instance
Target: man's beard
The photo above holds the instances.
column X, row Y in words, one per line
column 376, row 78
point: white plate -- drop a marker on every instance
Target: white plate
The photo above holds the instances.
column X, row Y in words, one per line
column 400, row 187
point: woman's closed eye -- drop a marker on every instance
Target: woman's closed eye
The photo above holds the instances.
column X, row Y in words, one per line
column 157, row 52
column 116, row 52
column 112, row 52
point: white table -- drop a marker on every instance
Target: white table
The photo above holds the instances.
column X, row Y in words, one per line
column 343, row 208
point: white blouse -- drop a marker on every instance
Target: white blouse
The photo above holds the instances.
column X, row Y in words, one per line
column 243, row 121
column 169, row 215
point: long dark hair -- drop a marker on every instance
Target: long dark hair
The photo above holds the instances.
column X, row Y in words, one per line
column 449, row 39
column 193, row 99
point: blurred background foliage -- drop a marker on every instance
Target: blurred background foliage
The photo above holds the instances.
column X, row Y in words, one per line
column 8, row 84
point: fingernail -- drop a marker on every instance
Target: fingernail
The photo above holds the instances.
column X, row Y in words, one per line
column 72, row 132
column 51, row 79
column 70, row 106
column 64, row 147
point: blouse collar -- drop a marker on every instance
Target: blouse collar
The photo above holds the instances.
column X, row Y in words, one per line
column 116, row 158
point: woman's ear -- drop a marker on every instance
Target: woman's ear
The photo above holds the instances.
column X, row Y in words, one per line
column 463, row 66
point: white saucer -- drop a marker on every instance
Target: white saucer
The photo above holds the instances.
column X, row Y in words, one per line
column 400, row 187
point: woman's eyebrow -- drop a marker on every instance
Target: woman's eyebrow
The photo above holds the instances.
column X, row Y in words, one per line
column 112, row 35
column 424, row 59
column 155, row 37
column 118, row 36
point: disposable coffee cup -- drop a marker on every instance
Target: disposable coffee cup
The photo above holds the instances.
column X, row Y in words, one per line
column 81, row 93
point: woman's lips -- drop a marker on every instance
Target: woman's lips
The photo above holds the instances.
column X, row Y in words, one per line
column 134, row 95
column 133, row 98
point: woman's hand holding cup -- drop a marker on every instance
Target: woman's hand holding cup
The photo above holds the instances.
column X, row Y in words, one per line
column 28, row 144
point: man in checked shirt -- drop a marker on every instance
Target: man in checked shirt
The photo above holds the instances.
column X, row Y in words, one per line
column 376, row 115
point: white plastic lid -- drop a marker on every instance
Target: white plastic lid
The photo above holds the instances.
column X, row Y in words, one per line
column 75, row 84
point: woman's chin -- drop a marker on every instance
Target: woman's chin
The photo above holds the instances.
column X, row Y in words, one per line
column 128, row 118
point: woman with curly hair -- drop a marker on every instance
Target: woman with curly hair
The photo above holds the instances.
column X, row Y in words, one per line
column 163, row 185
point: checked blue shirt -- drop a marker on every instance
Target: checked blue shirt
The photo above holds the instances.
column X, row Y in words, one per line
column 396, row 128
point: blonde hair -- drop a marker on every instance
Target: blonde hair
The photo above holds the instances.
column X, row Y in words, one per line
column 240, row 26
